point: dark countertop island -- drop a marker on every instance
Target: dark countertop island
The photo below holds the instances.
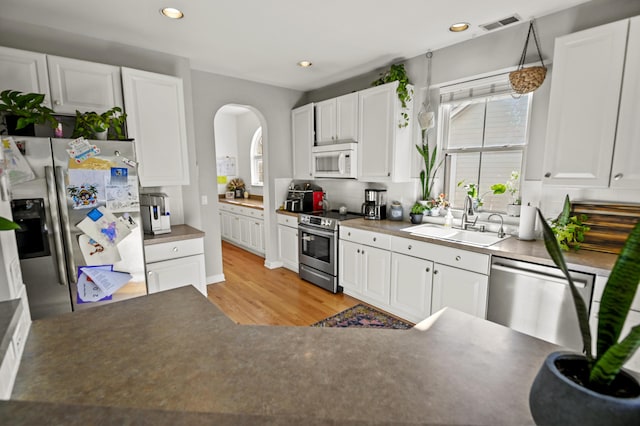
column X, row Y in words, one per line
column 176, row 351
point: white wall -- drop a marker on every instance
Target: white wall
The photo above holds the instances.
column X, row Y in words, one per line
column 225, row 131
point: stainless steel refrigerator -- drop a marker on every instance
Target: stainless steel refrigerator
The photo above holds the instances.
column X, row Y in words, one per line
column 69, row 187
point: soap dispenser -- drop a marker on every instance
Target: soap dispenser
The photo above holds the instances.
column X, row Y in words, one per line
column 448, row 219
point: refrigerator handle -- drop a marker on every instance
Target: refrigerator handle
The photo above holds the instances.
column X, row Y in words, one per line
column 55, row 222
column 66, row 226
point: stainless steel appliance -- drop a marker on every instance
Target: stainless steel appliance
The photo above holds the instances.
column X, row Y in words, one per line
column 50, row 206
column 156, row 216
column 335, row 160
column 375, row 204
column 318, row 248
column 304, row 200
column 536, row 300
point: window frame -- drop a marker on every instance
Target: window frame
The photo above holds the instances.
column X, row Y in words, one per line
column 257, row 137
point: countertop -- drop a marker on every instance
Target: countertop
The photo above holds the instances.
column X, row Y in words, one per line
column 178, row 233
column 530, row 251
column 253, row 202
column 178, row 352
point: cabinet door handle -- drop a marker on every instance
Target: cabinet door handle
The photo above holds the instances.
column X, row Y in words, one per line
column 409, row 248
column 547, row 175
column 428, row 269
column 362, row 252
column 435, row 272
column 175, row 249
column 358, row 251
column 458, row 258
column 618, row 176
column 150, row 273
column 374, row 239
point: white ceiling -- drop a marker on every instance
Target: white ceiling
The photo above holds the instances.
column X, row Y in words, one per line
column 262, row 40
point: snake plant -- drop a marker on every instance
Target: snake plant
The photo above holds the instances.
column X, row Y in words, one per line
column 616, row 301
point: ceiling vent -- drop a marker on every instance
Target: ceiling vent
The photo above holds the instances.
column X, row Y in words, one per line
column 501, row 22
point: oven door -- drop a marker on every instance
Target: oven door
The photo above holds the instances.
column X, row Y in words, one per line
column 318, row 249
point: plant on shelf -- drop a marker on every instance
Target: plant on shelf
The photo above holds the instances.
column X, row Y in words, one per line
column 417, row 211
column 512, row 186
column 569, row 230
column 587, row 389
column 431, row 166
column 397, row 73
column 92, row 125
column 237, row 186
column 28, row 108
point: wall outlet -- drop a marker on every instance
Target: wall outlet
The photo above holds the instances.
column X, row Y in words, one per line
column 204, row 200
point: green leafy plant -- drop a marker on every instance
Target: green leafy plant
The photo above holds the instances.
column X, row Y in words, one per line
column 616, row 301
column 28, row 107
column 418, row 208
column 398, row 73
column 428, row 174
column 7, row 225
column 88, row 124
column 512, row 186
column 569, row 230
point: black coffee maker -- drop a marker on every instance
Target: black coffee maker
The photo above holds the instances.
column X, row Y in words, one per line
column 375, row 204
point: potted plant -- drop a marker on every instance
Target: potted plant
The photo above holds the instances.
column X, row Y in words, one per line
column 472, row 191
column 431, row 166
column 398, row 73
column 417, row 212
column 23, row 110
column 438, row 204
column 92, row 125
column 569, row 230
column 512, row 187
column 237, row 187
column 593, row 389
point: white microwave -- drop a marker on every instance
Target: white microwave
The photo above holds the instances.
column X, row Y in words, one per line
column 335, row 161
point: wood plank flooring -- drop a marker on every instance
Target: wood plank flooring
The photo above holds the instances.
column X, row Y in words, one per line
column 255, row 295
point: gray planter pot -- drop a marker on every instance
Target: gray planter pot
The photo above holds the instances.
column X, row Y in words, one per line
column 557, row 400
column 415, row 218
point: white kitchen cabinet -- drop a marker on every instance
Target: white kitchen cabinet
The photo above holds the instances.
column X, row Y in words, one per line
column 364, row 263
column 156, row 120
column 24, row 71
column 411, row 284
column 10, row 359
column 176, row 264
column 243, row 226
column 463, row 290
column 336, row 119
column 83, row 86
column 588, row 68
column 384, row 144
column 288, row 241
column 302, row 141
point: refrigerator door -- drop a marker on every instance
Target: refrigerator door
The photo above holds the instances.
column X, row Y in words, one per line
column 39, row 242
column 69, row 175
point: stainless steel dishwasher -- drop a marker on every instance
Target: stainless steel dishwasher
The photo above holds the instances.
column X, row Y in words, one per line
column 536, row 300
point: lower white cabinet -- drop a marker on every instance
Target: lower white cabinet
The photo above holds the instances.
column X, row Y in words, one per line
column 365, row 270
column 411, row 284
column 10, row 360
column 176, row 264
column 288, row 241
column 243, row 226
column 463, row 290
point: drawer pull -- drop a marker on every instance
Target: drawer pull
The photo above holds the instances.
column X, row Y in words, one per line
column 175, row 249
column 358, row 251
column 374, row 238
column 409, row 248
column 435, row 272
column 458, row 258
column 428, row 269
column 618, row 176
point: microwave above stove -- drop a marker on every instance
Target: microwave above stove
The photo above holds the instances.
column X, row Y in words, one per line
column 335, row 160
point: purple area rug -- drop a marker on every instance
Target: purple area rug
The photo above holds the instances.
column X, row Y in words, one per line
column 362, row 316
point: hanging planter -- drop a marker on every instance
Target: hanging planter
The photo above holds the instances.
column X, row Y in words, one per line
column 525, row 80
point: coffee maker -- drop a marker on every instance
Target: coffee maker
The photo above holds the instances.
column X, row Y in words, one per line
column 375, row 204
column 155, row 213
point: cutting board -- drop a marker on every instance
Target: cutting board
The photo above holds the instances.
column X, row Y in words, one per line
column 610, row 224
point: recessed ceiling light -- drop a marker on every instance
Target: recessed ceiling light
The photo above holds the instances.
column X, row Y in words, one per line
column 458, row 27
column 171, row 12
column 304, row 64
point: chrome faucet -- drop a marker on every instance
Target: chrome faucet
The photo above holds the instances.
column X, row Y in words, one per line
column 501, row 233
column 467, row 211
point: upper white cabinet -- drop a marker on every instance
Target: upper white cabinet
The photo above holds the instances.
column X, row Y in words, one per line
column 337, row 119
column 24, row 71
column 302, row 140
column 83, row 86
column 384, row 144
column 586, row 87
column 156, row 120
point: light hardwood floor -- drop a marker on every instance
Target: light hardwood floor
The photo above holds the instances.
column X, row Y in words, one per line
column 253, row 294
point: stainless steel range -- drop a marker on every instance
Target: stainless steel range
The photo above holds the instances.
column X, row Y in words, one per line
column 318, row 247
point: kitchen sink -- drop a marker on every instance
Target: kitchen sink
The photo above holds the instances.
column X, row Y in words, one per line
column 481, row 239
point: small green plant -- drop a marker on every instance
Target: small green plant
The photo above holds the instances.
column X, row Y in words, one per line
column 28, row 107
column 569, row 230
column 418, row 208
column 512, row 186
column 398, row 73
column 88, row 124
column 617, row 297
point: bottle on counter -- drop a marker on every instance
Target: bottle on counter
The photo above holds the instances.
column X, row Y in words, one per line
column 448, row 219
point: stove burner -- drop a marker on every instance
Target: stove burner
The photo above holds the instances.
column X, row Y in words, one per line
column 327, row 220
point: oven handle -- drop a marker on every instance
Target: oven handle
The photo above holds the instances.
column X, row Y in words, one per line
column 316, row 231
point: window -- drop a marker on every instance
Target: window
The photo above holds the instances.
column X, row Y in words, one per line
column 484, row 135
column 257, row 174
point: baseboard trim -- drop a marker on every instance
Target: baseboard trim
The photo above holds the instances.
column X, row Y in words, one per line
column 273, row 264
column 215, row 279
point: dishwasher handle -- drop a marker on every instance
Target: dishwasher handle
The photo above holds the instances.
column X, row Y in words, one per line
column 535, row 274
